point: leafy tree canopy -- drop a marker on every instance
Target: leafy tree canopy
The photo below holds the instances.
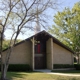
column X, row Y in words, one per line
column 67, row 27
column 6, row 43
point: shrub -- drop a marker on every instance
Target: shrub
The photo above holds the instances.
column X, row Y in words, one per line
column 57, row 66
column 77, row 66
column 19, row 67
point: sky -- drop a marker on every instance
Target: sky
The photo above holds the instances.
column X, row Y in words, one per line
column 62, row 4
column 68, row 3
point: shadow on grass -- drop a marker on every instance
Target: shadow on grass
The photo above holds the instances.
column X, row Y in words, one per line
column 67, row 71
column 12, row 75
column 21, row 75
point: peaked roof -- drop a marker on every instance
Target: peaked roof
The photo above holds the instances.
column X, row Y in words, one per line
column 49, row 35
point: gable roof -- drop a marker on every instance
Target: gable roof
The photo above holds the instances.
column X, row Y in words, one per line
column 48, row 36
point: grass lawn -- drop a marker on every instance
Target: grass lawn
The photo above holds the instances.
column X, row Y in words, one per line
column 37, row 76
column 67, row 71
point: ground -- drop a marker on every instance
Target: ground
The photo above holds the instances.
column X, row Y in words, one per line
column 38, row 76
column 67, row 71
column 62, row 75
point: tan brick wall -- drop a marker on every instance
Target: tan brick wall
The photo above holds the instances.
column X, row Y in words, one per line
column 79, row 58
column 48, row 54
column 61, row 55
column 21, row 54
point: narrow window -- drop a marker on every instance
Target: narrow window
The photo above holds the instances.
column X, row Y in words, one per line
column 38, row 48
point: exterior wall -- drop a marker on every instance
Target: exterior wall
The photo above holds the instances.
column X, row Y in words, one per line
column 79, row 58
column 21, row 54
column 49, row 54
column 61, row 55
column 55, row 54
column 33, row 52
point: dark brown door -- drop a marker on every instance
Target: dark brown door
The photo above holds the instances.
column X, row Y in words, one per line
column 39, row 62
column 40, row 56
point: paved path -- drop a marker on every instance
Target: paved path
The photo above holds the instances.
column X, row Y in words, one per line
column 63, row 74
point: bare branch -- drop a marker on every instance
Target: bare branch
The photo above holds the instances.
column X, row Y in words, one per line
column 19, row 14
column 10, row 12
column 31, row 5
column 24, row 4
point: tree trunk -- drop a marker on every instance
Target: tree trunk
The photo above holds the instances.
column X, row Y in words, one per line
column 2, row 67
column 5, row 72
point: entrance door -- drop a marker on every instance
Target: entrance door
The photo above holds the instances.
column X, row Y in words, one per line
column 40, row 56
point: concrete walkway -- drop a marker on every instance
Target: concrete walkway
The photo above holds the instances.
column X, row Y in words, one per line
column 63, row 74
column 43, row 70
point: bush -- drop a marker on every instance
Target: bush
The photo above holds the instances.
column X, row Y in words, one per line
column 58, row 66
column 77, row 66
column 19, row 67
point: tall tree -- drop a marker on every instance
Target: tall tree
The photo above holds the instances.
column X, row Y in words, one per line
column 17, row 15
column 67, row 27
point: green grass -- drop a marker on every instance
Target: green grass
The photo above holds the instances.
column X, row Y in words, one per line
column 37, row 76
column 67, row 71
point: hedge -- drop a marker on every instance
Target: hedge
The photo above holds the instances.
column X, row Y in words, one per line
column 77, row 66
column 58, row 66
column 19, row 67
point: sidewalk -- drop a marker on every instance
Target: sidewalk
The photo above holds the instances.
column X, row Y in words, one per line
column 63, row 74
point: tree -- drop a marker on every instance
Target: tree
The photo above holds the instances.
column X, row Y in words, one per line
column 17, row 15
column 67, row 27
column 6, row 43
